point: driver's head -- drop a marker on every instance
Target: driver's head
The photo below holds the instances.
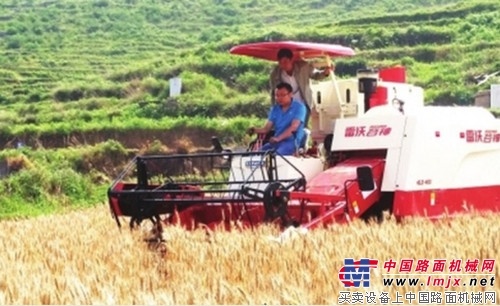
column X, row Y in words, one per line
column 283, row 94
column 285, row 59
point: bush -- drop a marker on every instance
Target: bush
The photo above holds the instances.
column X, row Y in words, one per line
column 34, row 97
column 14, row 43
column 154, row 148
column 30, row 184
column 252, row 82
column 78, row 93
column 65, row 181
column 349, row 67
column 30, row 119
column 454, row 96
column 68, row 94
column 425, row 54
column 258, row 107
column 103, row 157
column 14, row 161
column 3, row 99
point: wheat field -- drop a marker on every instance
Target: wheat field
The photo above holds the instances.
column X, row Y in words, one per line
column 83, row 258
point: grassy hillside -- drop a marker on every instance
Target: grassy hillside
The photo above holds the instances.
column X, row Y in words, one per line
column 99, row 65
column 83, row 72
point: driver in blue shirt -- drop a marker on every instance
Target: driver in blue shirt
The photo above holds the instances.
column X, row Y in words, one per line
column 287, row 118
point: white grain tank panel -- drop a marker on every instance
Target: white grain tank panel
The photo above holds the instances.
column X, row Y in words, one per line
column 449, row 147
column 381, row 127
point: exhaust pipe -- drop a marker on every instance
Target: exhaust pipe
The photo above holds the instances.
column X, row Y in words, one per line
column 367, row 84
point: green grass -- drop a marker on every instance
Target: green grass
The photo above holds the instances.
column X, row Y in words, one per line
column 52, row 180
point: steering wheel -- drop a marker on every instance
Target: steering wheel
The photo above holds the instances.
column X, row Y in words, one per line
column 261, row 140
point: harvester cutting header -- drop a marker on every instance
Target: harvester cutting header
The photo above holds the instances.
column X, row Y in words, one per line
column 381, row 149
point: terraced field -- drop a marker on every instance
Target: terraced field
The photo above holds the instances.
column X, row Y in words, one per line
column 91, row 62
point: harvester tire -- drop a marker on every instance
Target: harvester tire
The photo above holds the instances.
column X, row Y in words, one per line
column 274, row 206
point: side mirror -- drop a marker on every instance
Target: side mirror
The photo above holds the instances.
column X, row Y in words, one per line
column 365, row 178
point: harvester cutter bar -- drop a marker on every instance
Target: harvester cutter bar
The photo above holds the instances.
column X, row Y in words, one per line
column 162, row 184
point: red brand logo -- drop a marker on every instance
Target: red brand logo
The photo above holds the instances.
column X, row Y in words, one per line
column 484, row 136
column 367, row 131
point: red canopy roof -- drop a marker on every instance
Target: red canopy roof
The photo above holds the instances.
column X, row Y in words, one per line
column 269, row 50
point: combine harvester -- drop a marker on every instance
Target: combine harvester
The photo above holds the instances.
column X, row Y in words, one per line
column 382, row 150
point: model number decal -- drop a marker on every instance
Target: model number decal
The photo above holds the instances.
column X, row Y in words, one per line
column 254, row 163
column 424, row 182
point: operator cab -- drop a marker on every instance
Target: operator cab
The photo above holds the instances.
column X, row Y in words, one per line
column 372, row 92
column 384, row 89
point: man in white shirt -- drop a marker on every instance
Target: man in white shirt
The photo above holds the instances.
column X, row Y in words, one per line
column 297, row 73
